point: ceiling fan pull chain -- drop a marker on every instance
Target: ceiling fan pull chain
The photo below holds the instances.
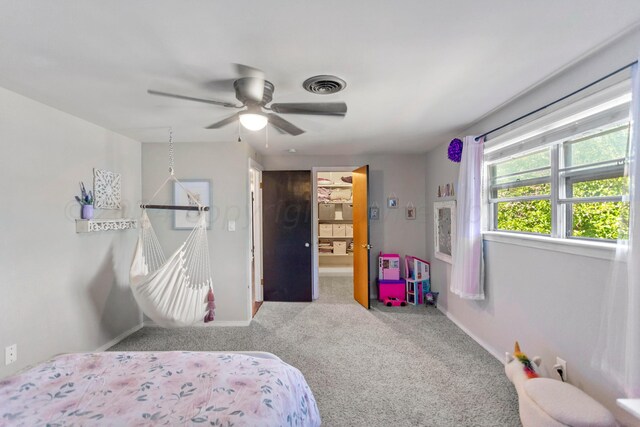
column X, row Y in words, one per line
column 171, row 151
column 266, row 136
column 239, row 139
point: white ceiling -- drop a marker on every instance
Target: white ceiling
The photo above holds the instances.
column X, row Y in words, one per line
column 417, row 71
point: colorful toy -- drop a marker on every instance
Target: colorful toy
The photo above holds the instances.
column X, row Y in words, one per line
column 418, row 279
column 431, row 298
column 389, row 266
column 548, row 402
column 394, row 302
column 526, row 363
column 391, row 289
column 517, row 371
column 416, row 268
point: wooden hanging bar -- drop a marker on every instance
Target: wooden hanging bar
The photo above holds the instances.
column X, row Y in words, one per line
column 175, row 208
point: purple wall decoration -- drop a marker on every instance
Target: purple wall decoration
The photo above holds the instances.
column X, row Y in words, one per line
column 455, row 150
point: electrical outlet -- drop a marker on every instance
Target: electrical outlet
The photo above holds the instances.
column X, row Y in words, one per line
column 10, row 354
column 562, row 364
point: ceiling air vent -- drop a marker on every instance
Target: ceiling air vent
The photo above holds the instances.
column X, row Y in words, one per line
column 324, row 85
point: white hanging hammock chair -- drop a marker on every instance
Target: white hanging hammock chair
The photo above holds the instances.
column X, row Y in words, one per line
column 175, row 291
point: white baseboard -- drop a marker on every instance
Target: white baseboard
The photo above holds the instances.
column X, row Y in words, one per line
column 119, row 338
column 215, row 323
column 495, row 353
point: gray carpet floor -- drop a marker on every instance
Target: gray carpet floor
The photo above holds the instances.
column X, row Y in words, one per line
column 388, row 366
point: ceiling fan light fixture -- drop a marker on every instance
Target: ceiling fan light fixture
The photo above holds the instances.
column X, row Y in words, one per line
column 253, row 121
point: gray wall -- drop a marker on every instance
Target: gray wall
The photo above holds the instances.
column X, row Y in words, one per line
column 60, row 291
column 549, row 301
column 388, row 173
column 226, row 165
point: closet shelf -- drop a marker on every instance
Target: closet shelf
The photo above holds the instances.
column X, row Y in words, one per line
column 334, row 185
column 91, row 225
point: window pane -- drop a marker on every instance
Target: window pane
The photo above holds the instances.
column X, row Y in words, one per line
column 536, row 160
column 546, row 173
column 608, row 145
column 531, row 216
column 600, row 187
column 527, row 190
column 600, row 220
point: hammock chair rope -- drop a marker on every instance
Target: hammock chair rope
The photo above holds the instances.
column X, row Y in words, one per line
column 178, row 290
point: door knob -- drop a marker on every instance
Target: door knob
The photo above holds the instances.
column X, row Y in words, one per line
column 367, row 246
column 306, row 245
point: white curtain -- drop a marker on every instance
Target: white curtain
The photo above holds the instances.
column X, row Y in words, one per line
column 467, row 273
column 618, row 352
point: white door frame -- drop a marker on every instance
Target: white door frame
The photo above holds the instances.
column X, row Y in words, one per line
column 314, row 220
column 255, row 217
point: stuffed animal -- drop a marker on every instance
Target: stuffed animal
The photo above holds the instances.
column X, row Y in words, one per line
column 519, row 368
column 544, row 402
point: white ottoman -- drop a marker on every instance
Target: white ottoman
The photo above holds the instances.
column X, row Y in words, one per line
column 551, row 403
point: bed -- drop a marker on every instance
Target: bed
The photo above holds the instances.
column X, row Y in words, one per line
column 159, row 388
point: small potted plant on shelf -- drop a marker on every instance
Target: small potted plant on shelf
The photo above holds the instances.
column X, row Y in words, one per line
column 86, row 201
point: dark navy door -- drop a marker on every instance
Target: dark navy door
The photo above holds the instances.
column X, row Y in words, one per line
column 286, row 217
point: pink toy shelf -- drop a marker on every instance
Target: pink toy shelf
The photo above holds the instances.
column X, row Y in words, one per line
column 418, row 279
column 389, row 267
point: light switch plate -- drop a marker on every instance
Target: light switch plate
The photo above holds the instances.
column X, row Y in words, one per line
column 231, row 225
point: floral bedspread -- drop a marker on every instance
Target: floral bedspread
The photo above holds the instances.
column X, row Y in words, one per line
column 163, row 388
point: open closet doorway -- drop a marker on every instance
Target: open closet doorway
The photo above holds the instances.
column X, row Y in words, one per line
column 335, row 236
column 255, row 253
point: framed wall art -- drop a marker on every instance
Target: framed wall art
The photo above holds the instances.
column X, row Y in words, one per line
column 444, row 229
column 411, row 212
column 201, row 190
column 374, row 213
column 107, row 189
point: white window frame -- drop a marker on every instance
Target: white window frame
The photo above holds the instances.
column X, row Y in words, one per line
column 493, row 202
column 605, row 109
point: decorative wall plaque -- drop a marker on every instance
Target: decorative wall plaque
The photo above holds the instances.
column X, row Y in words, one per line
column 106, row 189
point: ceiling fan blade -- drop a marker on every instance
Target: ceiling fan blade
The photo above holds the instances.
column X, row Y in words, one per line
column 284, row 125
column 316, row 108
column 190, row 98
column 224, row 122
column 218, row 85
column 280, row 131
column 253, row 82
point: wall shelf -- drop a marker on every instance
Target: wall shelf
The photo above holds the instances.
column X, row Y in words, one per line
column 91, row 225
